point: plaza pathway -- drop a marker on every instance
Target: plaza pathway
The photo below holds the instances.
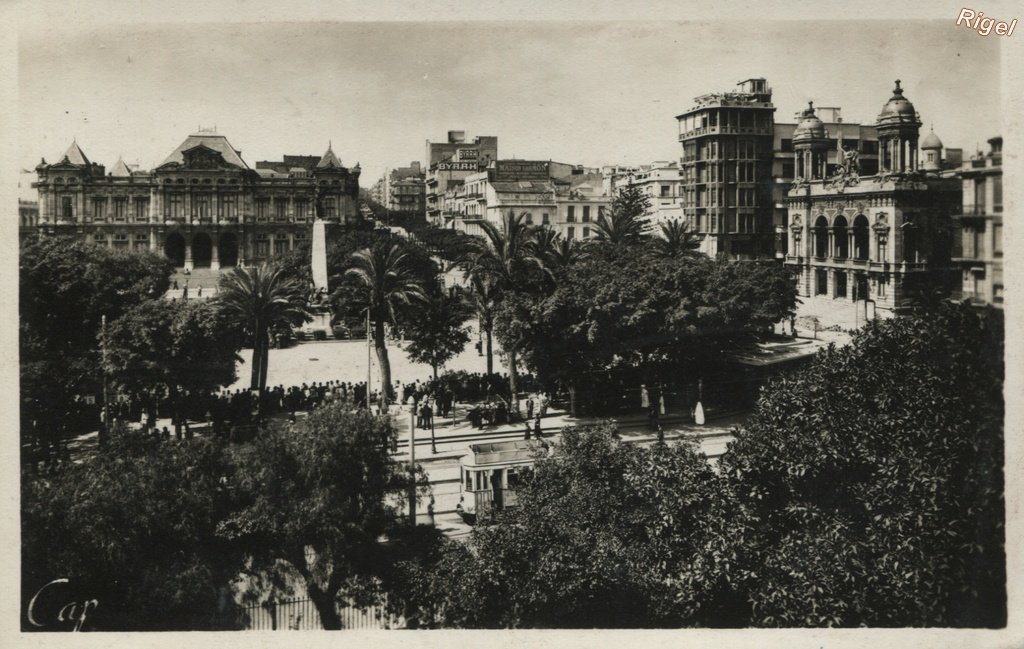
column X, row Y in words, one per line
column 345, row 360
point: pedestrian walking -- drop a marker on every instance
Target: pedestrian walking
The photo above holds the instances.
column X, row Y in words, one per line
column 645, row 398
column 536, row 427
column 529, row 407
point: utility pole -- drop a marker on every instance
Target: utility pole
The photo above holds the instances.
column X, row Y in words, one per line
column 106, row 411
column 369, row 358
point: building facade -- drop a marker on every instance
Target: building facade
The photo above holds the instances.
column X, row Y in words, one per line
column 727, row 141
column 662, row 184
column 28, row 218
column 448, row 164
column 402, row 189
column 865, row 245
column 566, row 198
column 203, row 206
column 979, row 228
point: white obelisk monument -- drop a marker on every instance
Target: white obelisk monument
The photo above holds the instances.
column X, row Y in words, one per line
column 318, row 253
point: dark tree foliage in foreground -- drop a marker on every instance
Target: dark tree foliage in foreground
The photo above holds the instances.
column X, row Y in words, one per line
column 605, row 535
column 318, row 496
column 133, row 527
column 866, row 490
column 872, row 481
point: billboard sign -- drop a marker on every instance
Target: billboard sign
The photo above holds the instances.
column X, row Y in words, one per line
column 511, row 170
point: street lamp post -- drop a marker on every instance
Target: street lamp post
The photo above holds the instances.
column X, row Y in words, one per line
column 412, row 465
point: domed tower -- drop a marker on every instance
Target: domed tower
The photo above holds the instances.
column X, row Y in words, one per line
column 932, row 148
column 810, row 143
column 898, row 125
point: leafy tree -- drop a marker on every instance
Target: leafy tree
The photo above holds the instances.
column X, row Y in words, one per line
column 676, row 239
column 624, row 224
column 643, row 312
column 318, row 496
column 389, row 280
column 259, row 299
column 438, row 334
column 65, row 288
column 507, row 257
column 173, row 348
column 134, row 528
column 604, row 536
column 872, row 484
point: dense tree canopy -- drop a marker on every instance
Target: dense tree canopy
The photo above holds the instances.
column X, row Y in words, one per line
column 65, row 288
column 165, row 347
column 642, row 310
column 318, row 496
column 872, row 481
column 135, row 528
column 605, row 535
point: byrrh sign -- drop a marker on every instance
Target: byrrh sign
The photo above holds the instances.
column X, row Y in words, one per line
column 456, row 166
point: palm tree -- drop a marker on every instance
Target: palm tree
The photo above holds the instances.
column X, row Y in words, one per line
column 676, row 239
column 564, row 253
column 624, row 224
column 484, row 297
column 259, row 299
column 386, row 271
column 506, row 258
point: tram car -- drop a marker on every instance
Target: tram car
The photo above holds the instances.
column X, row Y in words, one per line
column 490, row 474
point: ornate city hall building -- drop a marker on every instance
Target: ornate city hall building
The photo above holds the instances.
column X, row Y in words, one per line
column 203, row 206
column 862, row 246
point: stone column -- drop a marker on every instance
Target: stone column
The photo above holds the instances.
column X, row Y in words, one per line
column 188, row 253
column 152, row 240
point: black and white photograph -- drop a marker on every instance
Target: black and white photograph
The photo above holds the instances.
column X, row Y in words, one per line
column 551, row 323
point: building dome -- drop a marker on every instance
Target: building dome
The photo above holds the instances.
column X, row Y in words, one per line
column 898, row 109
column 931, row 141
column 810, row 127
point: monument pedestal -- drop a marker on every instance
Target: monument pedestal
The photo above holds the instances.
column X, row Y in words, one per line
column 321, row 322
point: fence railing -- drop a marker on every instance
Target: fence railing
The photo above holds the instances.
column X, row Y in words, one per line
column 302, row 615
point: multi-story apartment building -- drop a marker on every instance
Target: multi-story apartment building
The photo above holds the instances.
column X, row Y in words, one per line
column 402, row 189
column 661, row 182
column 203, row 206
column 727, row 141
column 979, row 231
column 566, row 198
column 449, row 164
column 863, row 244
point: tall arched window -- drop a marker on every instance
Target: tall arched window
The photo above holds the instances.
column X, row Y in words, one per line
column 821, row 237
column 841, row 238
column 861, row 237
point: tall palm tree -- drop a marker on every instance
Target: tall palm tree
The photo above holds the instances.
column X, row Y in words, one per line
column 259, row 299
column 387, row 273
column 506, row 257
column 676, row 239
column 484, row 296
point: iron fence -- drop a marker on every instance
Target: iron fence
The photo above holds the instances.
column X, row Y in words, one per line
column 302, row 615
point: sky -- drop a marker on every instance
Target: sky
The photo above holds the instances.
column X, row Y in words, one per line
column 585, row 93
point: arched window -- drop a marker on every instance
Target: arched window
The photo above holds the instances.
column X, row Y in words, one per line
column 841, row 238
column 821, row 237
column 861, row 237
